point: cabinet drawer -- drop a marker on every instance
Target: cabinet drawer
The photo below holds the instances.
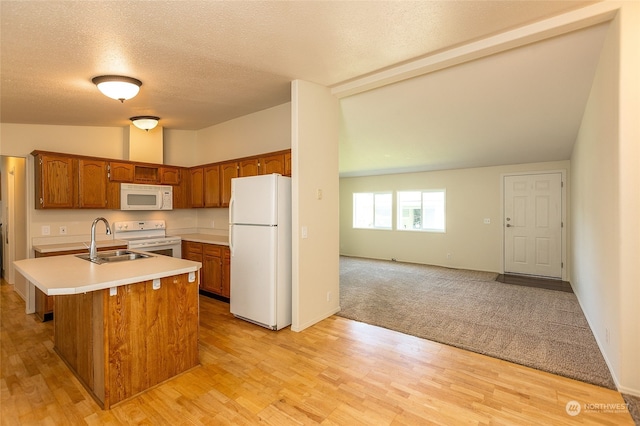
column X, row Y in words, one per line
column 212, row 250
column 190, row 247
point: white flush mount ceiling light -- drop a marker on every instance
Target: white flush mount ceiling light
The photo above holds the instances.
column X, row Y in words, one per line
column 145, row 122
column 118, row 87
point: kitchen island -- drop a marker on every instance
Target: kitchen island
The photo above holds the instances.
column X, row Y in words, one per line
column 121, row 327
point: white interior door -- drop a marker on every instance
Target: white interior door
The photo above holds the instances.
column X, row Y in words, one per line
column 533, row 224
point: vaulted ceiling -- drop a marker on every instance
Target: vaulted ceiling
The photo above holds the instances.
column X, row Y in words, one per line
column 203, row 63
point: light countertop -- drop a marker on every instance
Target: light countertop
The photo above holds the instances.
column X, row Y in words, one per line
column 68, row 274
column 221, row 240
column 54, row 248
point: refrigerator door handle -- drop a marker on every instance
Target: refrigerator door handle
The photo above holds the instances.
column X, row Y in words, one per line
column 231, row 221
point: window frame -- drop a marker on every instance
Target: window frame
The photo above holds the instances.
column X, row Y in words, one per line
column 399, row 212
column 373, row 212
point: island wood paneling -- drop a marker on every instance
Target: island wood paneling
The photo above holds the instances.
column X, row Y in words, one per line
column 153, row 335
column 73, row 334
column 121, row 345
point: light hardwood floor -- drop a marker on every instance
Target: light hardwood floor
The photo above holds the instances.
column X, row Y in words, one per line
column 338, row 372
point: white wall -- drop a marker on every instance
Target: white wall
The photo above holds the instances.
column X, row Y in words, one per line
column 180, row 147
column 629, row 132
column 314, row 145
column 263, row 131
column 471, row 196
column 606, row 202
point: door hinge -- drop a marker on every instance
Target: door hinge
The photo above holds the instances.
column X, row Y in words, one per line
column 561, row 264
column 561, row 224
column 561, row 184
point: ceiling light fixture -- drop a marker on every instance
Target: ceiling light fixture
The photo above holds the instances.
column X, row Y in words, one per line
column 145, row 122
column 117, row 86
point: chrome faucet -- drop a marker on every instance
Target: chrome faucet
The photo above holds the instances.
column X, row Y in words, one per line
column 93, row 250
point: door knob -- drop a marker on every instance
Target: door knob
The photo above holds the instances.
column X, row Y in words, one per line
column 509, row 225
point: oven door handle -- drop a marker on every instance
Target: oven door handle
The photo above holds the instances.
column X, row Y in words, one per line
column 153, row 244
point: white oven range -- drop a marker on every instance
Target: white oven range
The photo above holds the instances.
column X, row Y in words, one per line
column 149, row 236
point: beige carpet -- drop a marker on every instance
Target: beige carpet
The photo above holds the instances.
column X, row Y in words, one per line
column 539, row 328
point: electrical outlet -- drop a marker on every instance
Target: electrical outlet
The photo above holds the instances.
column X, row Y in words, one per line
column 63, row 230
column 448, row 255
column 213, row 223
column 487, row 221
column 46, row 230
column 328, row 296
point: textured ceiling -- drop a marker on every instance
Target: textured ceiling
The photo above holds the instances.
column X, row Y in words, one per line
column 206, row 62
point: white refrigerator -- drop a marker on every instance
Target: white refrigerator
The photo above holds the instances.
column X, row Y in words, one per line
column 260, row 245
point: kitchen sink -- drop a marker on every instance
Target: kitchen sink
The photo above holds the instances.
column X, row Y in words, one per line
column 113, row 256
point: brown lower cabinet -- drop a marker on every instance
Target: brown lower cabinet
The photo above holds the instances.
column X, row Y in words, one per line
column 44, row 303
column 215, row 272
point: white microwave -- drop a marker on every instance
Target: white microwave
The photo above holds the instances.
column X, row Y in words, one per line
column 145, row 197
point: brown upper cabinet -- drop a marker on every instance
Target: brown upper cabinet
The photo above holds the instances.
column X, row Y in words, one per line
column 146, row 174
column 67, row 181
column 287, row 163
column 272, row 164
column 228, row 171
column 248, row 167
column 92, row 184
column 212, row 186
column 56, row 181
column 120, row 172
column 204, row 188
column 196, row 187
column 170, row 175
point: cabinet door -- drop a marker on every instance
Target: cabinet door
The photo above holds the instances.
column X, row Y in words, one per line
column 181, row 191
column 248, row 167
column 120, row 172
column 193, row 251
column 56, row 182
column 272, row 164
column 212, row 269
column 287, row 164
column 212, row 186
column 226, row 272
column 92, row 184
column 228, row 171
column 196, row 196
column 169, row 175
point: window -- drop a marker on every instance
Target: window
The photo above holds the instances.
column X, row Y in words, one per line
column 372, row 210
column 421, row 210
